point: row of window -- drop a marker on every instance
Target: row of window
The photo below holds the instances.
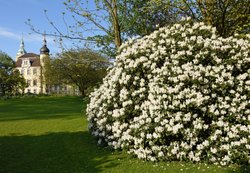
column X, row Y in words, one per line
column 32, row 83
column 59, row 87
column 34, row 91
column 28, row 71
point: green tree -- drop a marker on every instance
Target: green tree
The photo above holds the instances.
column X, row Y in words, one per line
column 145, row 16
column 228, row 16
column 11, row 81
column 82, row 68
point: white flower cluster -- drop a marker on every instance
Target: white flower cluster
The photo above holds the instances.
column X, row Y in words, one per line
column 181, row 93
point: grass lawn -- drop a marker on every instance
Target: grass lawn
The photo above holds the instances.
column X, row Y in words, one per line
column 49, row 135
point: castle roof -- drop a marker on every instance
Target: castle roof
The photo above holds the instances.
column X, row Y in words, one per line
column 32, row 57
column 29, row 55
column 44, row 49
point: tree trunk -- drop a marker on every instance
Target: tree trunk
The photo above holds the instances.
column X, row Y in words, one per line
column 116, row 25
column 112, row 7
column 82, row 91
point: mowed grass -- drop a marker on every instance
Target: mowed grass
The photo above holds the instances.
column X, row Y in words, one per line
column 49, row 135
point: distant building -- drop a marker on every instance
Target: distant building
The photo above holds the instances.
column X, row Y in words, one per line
column 31, row 66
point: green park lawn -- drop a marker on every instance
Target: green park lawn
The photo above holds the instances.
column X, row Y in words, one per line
column 50, row 135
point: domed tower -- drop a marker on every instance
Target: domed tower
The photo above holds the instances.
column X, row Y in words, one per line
column 44, row 60
column 44, row 51
column 21, row 50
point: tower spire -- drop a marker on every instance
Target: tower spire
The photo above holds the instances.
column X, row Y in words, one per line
column 44, row 49
column 44, row 39
column 21, row 50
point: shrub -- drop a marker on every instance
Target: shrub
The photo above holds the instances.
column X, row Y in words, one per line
column 181, row 93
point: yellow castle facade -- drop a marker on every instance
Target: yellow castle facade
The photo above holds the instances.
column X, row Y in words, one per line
column 32, row 67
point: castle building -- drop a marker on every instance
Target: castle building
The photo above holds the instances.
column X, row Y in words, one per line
column 31, row 66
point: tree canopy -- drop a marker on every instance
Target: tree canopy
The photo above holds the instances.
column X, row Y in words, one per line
column 11, row 81
column 228, row 16
column 82, row 68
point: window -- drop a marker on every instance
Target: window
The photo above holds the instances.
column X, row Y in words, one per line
column 34, row 71
column 26, row 62
column 22, row 71
column 34, row 82
column 34, row 91
column 28, row 90
column 29, row 82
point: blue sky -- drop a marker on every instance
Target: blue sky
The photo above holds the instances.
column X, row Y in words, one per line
column 14, row 13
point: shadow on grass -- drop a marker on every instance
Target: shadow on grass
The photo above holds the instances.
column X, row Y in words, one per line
column 53, row 153
column 241, row 169
column 77, row 153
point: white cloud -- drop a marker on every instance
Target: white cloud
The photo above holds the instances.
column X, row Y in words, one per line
column 9, row 34
column 34, row 39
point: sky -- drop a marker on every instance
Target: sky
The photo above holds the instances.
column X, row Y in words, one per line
column 14, row 14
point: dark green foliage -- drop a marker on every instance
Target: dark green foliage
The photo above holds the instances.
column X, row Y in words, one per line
column 11, row 82
column 82, row 68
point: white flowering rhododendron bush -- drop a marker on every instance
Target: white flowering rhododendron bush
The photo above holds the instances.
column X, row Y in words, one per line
column 181, row 93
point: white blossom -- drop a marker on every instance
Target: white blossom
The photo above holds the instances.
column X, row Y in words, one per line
column 172, row 84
